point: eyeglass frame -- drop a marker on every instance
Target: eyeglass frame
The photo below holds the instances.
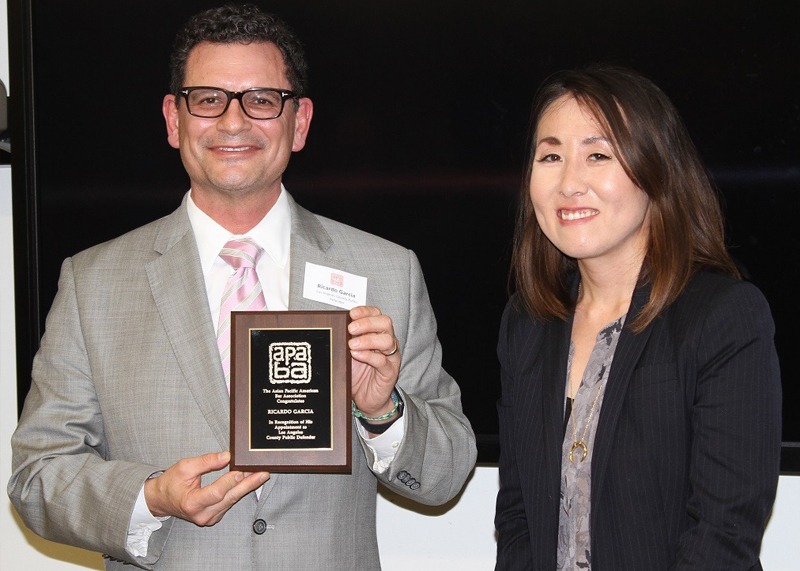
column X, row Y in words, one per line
column 238, row 95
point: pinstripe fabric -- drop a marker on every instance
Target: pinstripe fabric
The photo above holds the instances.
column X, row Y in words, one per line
column 687, row 450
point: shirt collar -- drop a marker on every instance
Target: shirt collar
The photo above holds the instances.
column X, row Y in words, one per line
column 272, row 233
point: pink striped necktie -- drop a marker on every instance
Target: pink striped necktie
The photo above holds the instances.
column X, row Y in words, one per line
column 242, row 293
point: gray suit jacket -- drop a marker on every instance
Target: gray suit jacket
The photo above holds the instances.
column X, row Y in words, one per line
column 128, row 380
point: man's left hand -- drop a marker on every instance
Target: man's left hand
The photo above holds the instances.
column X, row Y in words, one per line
column 376, row 360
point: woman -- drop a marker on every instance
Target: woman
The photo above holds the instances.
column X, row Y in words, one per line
column 640, row 410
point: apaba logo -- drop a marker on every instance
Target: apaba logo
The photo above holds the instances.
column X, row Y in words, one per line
column 290, row 362
column 337, row 280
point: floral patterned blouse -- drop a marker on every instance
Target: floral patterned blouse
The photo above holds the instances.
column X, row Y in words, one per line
column 574, row 535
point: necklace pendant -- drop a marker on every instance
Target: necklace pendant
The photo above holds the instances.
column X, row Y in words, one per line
column 578, row 444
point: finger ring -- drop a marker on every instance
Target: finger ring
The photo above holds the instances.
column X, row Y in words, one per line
column 393, row 351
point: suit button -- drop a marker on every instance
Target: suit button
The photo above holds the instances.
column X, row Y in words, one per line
column 410, row 482
column 415, row 486
column 403, row 476
column 259, row 526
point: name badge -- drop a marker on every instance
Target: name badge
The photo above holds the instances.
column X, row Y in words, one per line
column 334, row 287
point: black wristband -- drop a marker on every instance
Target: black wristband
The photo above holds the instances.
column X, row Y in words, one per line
column 381, row 428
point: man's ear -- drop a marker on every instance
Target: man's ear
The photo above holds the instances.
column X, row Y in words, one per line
column 302, row 122
column 169, row 108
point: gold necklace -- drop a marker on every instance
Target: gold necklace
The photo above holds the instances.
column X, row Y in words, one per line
column 579, row 442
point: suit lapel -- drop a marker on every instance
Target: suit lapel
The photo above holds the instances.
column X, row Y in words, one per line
column 178, row 288
column 310, row 243
column 626, row 356
column 555, row 350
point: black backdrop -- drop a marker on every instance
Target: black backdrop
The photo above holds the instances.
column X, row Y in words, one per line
column 420, row 122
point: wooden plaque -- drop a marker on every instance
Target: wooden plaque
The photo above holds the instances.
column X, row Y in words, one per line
column 290, row 392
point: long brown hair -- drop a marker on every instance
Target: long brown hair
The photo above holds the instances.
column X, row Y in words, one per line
column 686, row 230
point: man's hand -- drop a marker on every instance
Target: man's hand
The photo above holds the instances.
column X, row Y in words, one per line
column 177, row 492
column 376, row 360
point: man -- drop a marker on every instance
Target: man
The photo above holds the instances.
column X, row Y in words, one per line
column 118, row 447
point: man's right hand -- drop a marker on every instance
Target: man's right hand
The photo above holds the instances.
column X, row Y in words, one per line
column 177, row 492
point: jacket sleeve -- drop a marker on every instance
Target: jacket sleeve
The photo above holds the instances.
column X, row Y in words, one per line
column 736, row 432
column 437, row 451
column 62, row 484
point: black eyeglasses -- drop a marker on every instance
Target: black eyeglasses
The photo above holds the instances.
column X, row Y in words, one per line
column 256, row 102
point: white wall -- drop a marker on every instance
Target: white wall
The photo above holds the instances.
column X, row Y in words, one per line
column 459, row 534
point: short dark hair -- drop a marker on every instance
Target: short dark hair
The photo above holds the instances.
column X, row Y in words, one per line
column 686, row 225
column 243, row 24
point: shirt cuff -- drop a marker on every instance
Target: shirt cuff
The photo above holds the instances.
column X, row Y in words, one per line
column 141, row 527
column 384, row 446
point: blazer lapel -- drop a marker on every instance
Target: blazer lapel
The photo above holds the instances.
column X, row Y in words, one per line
column 555, row 351
column 178, row 288
column 629, row 349
column 310, row 242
